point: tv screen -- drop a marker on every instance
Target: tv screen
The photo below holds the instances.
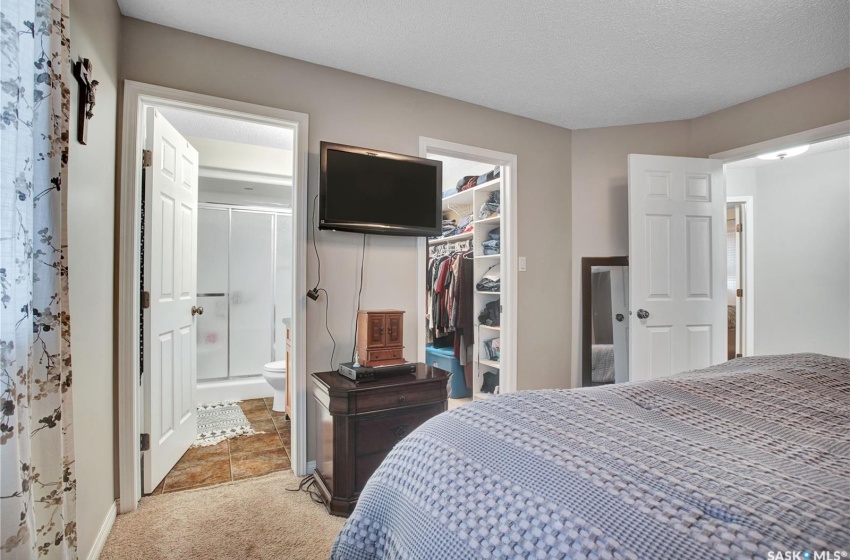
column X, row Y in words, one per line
column 369, row 191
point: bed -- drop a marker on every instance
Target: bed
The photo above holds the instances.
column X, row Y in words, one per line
column 736, row 460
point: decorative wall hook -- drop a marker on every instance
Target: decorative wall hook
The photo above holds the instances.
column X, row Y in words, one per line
column 85, row 111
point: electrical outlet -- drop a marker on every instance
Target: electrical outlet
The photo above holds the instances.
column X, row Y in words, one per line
column 522, row 264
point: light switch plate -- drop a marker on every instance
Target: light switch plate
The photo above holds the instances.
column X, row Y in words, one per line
column 522, row 264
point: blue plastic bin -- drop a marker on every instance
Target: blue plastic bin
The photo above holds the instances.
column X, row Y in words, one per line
column 444, row 358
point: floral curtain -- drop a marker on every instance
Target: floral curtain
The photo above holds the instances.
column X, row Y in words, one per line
column 37, row 482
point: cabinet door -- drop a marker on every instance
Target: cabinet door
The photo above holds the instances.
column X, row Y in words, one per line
column 394, row 329
column 377, row 328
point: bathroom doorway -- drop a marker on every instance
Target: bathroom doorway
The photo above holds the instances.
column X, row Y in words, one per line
column 217, row 262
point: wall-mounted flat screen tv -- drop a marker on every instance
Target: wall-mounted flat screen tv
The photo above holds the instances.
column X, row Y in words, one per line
column 369, row 191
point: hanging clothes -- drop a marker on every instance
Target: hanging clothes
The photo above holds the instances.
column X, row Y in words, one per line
column 449, row 284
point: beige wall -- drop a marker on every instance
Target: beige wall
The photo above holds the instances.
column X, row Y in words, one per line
column 91, row 207
column 353, row 109
column 600, row 198
column 810, row 105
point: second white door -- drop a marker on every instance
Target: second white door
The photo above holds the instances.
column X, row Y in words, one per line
column 171, row 254
column 677, row 265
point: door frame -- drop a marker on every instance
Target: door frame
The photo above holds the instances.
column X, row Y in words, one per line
column 507, row 375
column 137, row 98
column 747, row 259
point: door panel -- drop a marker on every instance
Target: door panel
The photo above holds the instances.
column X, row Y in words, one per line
column 171, row 278
column 376, row 331
column 394, row 329
column 676, row 257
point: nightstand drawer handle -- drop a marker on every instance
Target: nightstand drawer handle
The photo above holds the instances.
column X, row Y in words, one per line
column 400, row 431
column 402, row 398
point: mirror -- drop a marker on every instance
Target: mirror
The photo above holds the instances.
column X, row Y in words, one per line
column 605, row 320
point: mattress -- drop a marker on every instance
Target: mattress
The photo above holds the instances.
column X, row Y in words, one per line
column 737, row 460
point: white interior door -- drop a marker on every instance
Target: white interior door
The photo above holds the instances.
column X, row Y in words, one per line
column 171, row 231
column 677, row 277
column 620, row 321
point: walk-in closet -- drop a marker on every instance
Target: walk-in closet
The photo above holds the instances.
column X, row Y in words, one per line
column 465, row 287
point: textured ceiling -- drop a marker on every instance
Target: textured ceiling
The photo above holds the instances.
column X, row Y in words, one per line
column 841, row 143
column 578, row 64
column 191, row 123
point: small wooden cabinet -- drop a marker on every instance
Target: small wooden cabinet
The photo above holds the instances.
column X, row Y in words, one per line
column 380, row 337
column 357, row 424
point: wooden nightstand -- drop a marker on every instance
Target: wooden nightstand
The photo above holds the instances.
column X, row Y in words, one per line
column 357, row 424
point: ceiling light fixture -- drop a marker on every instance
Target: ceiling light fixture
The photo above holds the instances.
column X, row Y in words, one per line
column 782, row 154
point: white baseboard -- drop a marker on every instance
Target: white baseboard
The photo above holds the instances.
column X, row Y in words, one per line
column 233, row 390
column 102, row 535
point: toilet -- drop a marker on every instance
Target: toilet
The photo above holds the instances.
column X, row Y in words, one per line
column 275, row 374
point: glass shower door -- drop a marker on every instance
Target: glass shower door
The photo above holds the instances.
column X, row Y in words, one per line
column 251, row 291
column 214, row 229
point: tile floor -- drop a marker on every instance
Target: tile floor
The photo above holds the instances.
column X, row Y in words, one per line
column 237, row 458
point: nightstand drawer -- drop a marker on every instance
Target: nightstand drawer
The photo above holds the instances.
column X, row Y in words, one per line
column 407, row 396
column 382, row 433
column 390, row 354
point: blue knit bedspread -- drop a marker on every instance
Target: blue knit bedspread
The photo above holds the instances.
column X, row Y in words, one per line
column 741, row 460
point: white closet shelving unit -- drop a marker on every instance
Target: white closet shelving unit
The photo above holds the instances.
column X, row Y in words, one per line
column 456, row 206
column 483, row 265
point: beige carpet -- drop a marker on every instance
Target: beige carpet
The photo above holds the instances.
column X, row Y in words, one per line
column 251, row 519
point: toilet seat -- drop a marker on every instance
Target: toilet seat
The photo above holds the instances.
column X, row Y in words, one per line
column 276, row 367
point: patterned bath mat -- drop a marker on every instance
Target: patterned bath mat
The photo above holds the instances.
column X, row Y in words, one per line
column 219, row 421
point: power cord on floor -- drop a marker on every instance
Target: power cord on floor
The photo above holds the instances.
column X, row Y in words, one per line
column 308, row 485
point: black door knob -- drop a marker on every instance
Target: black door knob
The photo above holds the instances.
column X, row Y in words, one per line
column 619, row 317
column 642, row 314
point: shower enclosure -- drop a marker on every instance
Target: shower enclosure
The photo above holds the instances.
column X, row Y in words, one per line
column 244, row 286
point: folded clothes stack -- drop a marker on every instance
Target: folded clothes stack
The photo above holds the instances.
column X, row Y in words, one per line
column 448, row 226
column 492, row 349
column 491, row 207
column 491, row 315
column 490, row 282
column 492, row 244
column 470, row 181
column 463, row 226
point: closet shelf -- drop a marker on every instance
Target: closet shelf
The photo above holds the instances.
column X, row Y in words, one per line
column 491, row 363
column 490, row 328
column 484, row 293
column 491, row 220
column 465, row 197
column 487, row 256
column 458, row 237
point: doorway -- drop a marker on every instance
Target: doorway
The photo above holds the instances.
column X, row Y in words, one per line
column 795, row 265
column 479, row 240
column 234, row 191
column 740, row 275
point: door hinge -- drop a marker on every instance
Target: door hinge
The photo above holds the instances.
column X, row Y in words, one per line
column 145, row 442
column 739, row 228
column 146, row 300
column 740, row 292
column 147, row 158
